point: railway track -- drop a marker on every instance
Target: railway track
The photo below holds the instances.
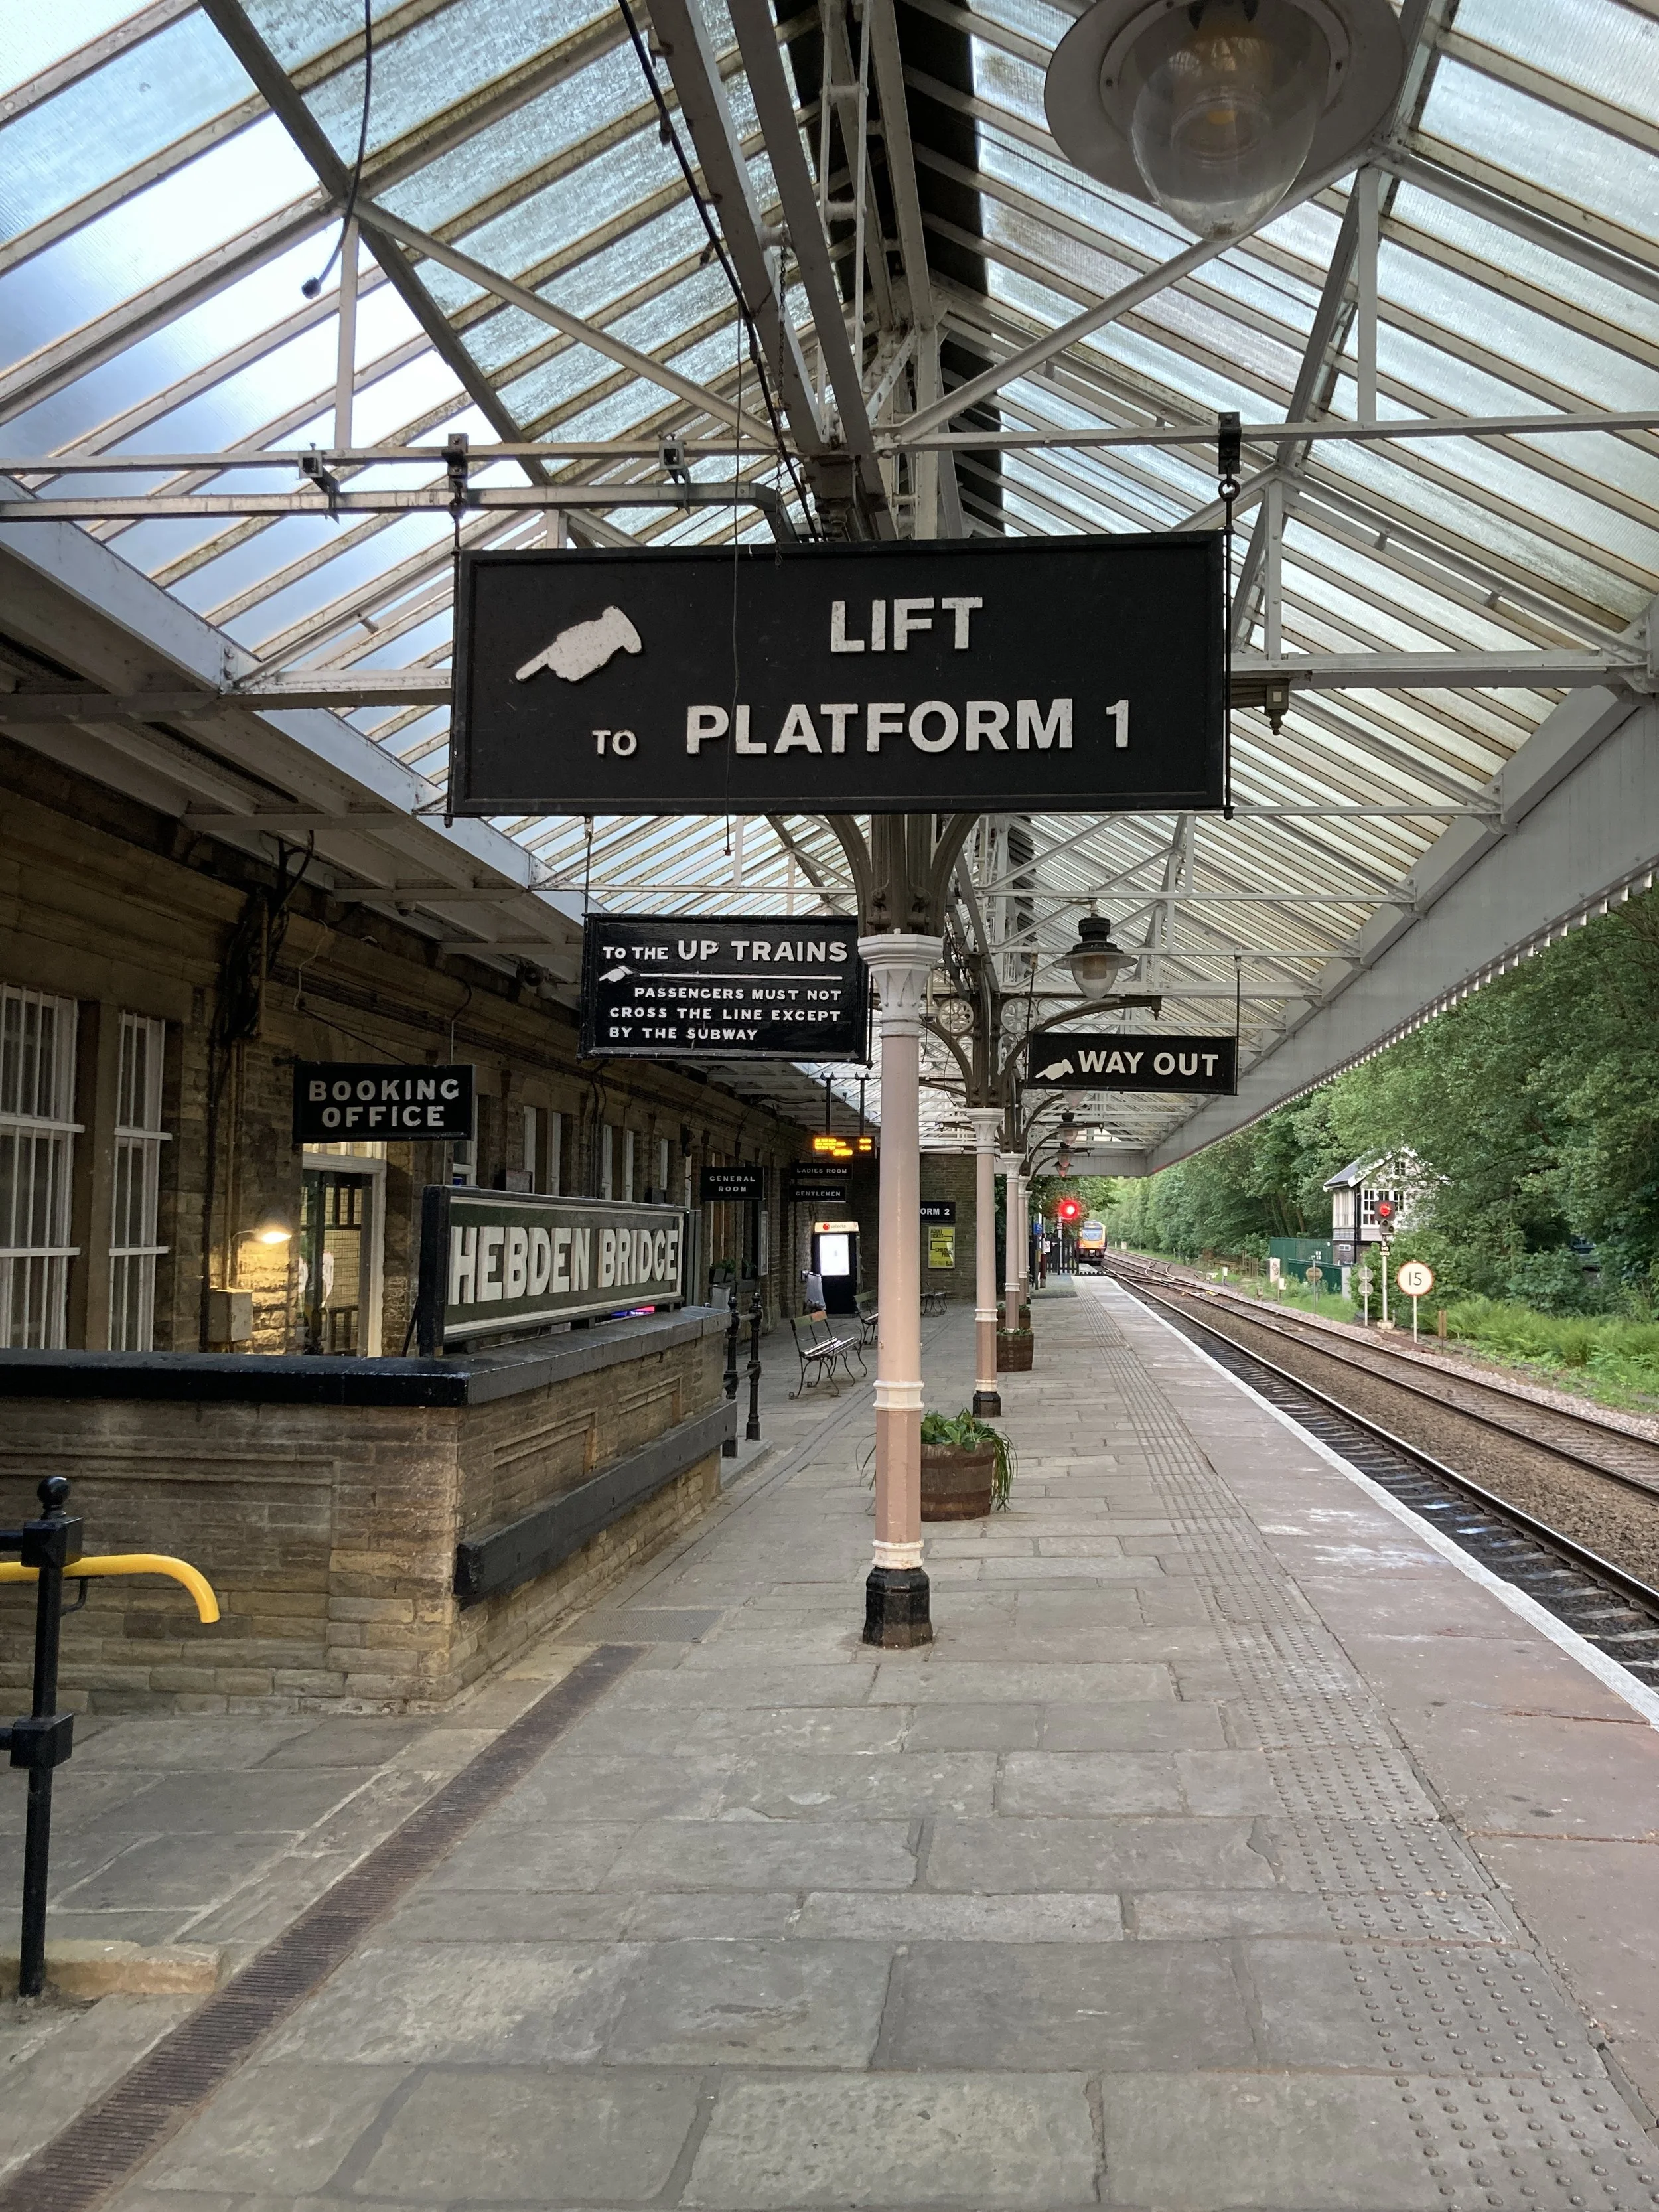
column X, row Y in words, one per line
column 1610, row 1600
column 1584, row 1438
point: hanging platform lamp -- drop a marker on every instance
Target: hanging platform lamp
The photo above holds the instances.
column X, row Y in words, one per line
column 1214, row 109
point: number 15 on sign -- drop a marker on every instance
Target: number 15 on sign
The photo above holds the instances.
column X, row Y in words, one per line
column 1416, row 1280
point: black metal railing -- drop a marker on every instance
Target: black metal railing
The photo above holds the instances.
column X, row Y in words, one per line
column 49, row 1552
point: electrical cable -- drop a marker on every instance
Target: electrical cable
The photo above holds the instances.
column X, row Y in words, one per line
column 671, row 138
column 314, row 285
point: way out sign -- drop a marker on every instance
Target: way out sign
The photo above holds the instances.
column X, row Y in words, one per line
column 1065, row 674
column 1065, row 1060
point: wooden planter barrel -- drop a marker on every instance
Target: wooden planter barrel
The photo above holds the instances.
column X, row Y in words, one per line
column 957, row 1484
column 1014, row 1348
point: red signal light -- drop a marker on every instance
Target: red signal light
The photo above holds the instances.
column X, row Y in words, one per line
column 1068, row 1209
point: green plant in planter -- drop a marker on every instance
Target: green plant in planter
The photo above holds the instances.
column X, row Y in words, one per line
column 967, row 1433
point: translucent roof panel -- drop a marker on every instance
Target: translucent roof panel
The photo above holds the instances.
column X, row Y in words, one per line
column 530, row 268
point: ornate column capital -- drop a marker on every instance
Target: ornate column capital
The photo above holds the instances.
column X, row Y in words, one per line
column 900, row 962
column 987, row 1127
column 1009, row 1163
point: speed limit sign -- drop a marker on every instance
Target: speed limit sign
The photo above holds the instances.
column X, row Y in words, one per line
column 1415, row 1278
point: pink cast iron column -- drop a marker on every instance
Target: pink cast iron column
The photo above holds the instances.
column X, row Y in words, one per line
column 895, row 1595
column 987, row 1127
column 1013, row 1213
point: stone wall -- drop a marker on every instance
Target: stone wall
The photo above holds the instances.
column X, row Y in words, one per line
column 328, row 1529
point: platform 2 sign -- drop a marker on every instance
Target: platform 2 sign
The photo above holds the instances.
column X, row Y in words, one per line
column 673, row 987
column 1064, row 674
column 492, row 1262
column 337, row 1099
column 1068, row 1061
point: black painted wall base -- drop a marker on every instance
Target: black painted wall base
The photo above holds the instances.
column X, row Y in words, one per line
column 985, row 1404
column 895, row 1614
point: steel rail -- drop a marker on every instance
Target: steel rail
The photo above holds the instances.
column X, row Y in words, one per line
column 1245, row 1311
column 1592, row 1563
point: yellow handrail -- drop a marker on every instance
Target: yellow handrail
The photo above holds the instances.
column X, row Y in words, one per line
column 128, row 1563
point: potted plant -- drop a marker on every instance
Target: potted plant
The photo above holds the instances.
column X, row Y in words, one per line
column 1014, row 1348
column 967, row 1467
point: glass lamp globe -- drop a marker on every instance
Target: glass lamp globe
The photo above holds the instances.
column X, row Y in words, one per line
column 1224, row 97
column 1095, row 962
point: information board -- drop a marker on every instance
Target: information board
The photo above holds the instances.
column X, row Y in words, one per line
column 673, row 987
column 1080, row 673
column 334, row 1099
column 496, row 1261
column 1066, row 1060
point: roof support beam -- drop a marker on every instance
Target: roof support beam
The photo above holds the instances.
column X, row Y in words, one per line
column 758, row 35
column 290, row 109
column 683, row 38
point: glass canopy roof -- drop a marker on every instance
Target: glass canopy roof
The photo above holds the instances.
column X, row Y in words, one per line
column 171, row 175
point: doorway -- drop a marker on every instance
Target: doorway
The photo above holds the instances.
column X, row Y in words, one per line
column 339, row 1290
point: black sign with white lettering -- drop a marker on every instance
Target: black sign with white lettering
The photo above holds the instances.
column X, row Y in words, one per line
column 939, row 1210
column 334, row 1100
column 721, row 1184
column 810, row 1183
column 658, row 987
column 1068, row 1061
column 1065, row 673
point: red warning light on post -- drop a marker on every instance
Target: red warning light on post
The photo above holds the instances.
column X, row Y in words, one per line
column 1069, row 1209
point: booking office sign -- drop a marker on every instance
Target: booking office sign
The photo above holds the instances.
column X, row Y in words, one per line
column 1065, row 674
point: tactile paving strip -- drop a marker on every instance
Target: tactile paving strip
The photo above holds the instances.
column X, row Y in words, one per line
column 1494, row 2065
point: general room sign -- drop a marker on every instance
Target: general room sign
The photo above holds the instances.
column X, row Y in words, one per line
column 1065, row 674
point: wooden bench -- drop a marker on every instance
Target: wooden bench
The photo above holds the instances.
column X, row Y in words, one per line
column 820, row 1352
column 868, row 1317
column 933, row 1302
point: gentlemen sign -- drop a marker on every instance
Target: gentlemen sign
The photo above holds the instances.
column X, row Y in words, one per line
column 492, row 1261
column 1071, row 1062
column 1081, row 673
column 812, row 1182
column 335, row 1099
column 659, row 988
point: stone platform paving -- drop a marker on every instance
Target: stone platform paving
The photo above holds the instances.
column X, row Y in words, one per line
column 1229, row 1848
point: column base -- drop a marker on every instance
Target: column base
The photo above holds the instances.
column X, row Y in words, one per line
column 896, row 1614
column 987, row 1404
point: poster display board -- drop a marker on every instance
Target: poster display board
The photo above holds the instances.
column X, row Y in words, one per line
column 496, row 1261
column 1080, row 673
column 672, row 987
column 1066, row 1060
column 337, row 1099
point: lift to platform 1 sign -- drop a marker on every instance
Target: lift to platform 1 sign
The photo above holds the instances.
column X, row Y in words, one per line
column 658, row 987
column 1080, row 674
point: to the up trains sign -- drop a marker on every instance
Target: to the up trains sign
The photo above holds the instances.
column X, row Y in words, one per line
column 1080, row 673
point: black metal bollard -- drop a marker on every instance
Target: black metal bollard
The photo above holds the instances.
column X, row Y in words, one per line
column 46, row 1739
column 752, row 1430
column 729, row 1446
